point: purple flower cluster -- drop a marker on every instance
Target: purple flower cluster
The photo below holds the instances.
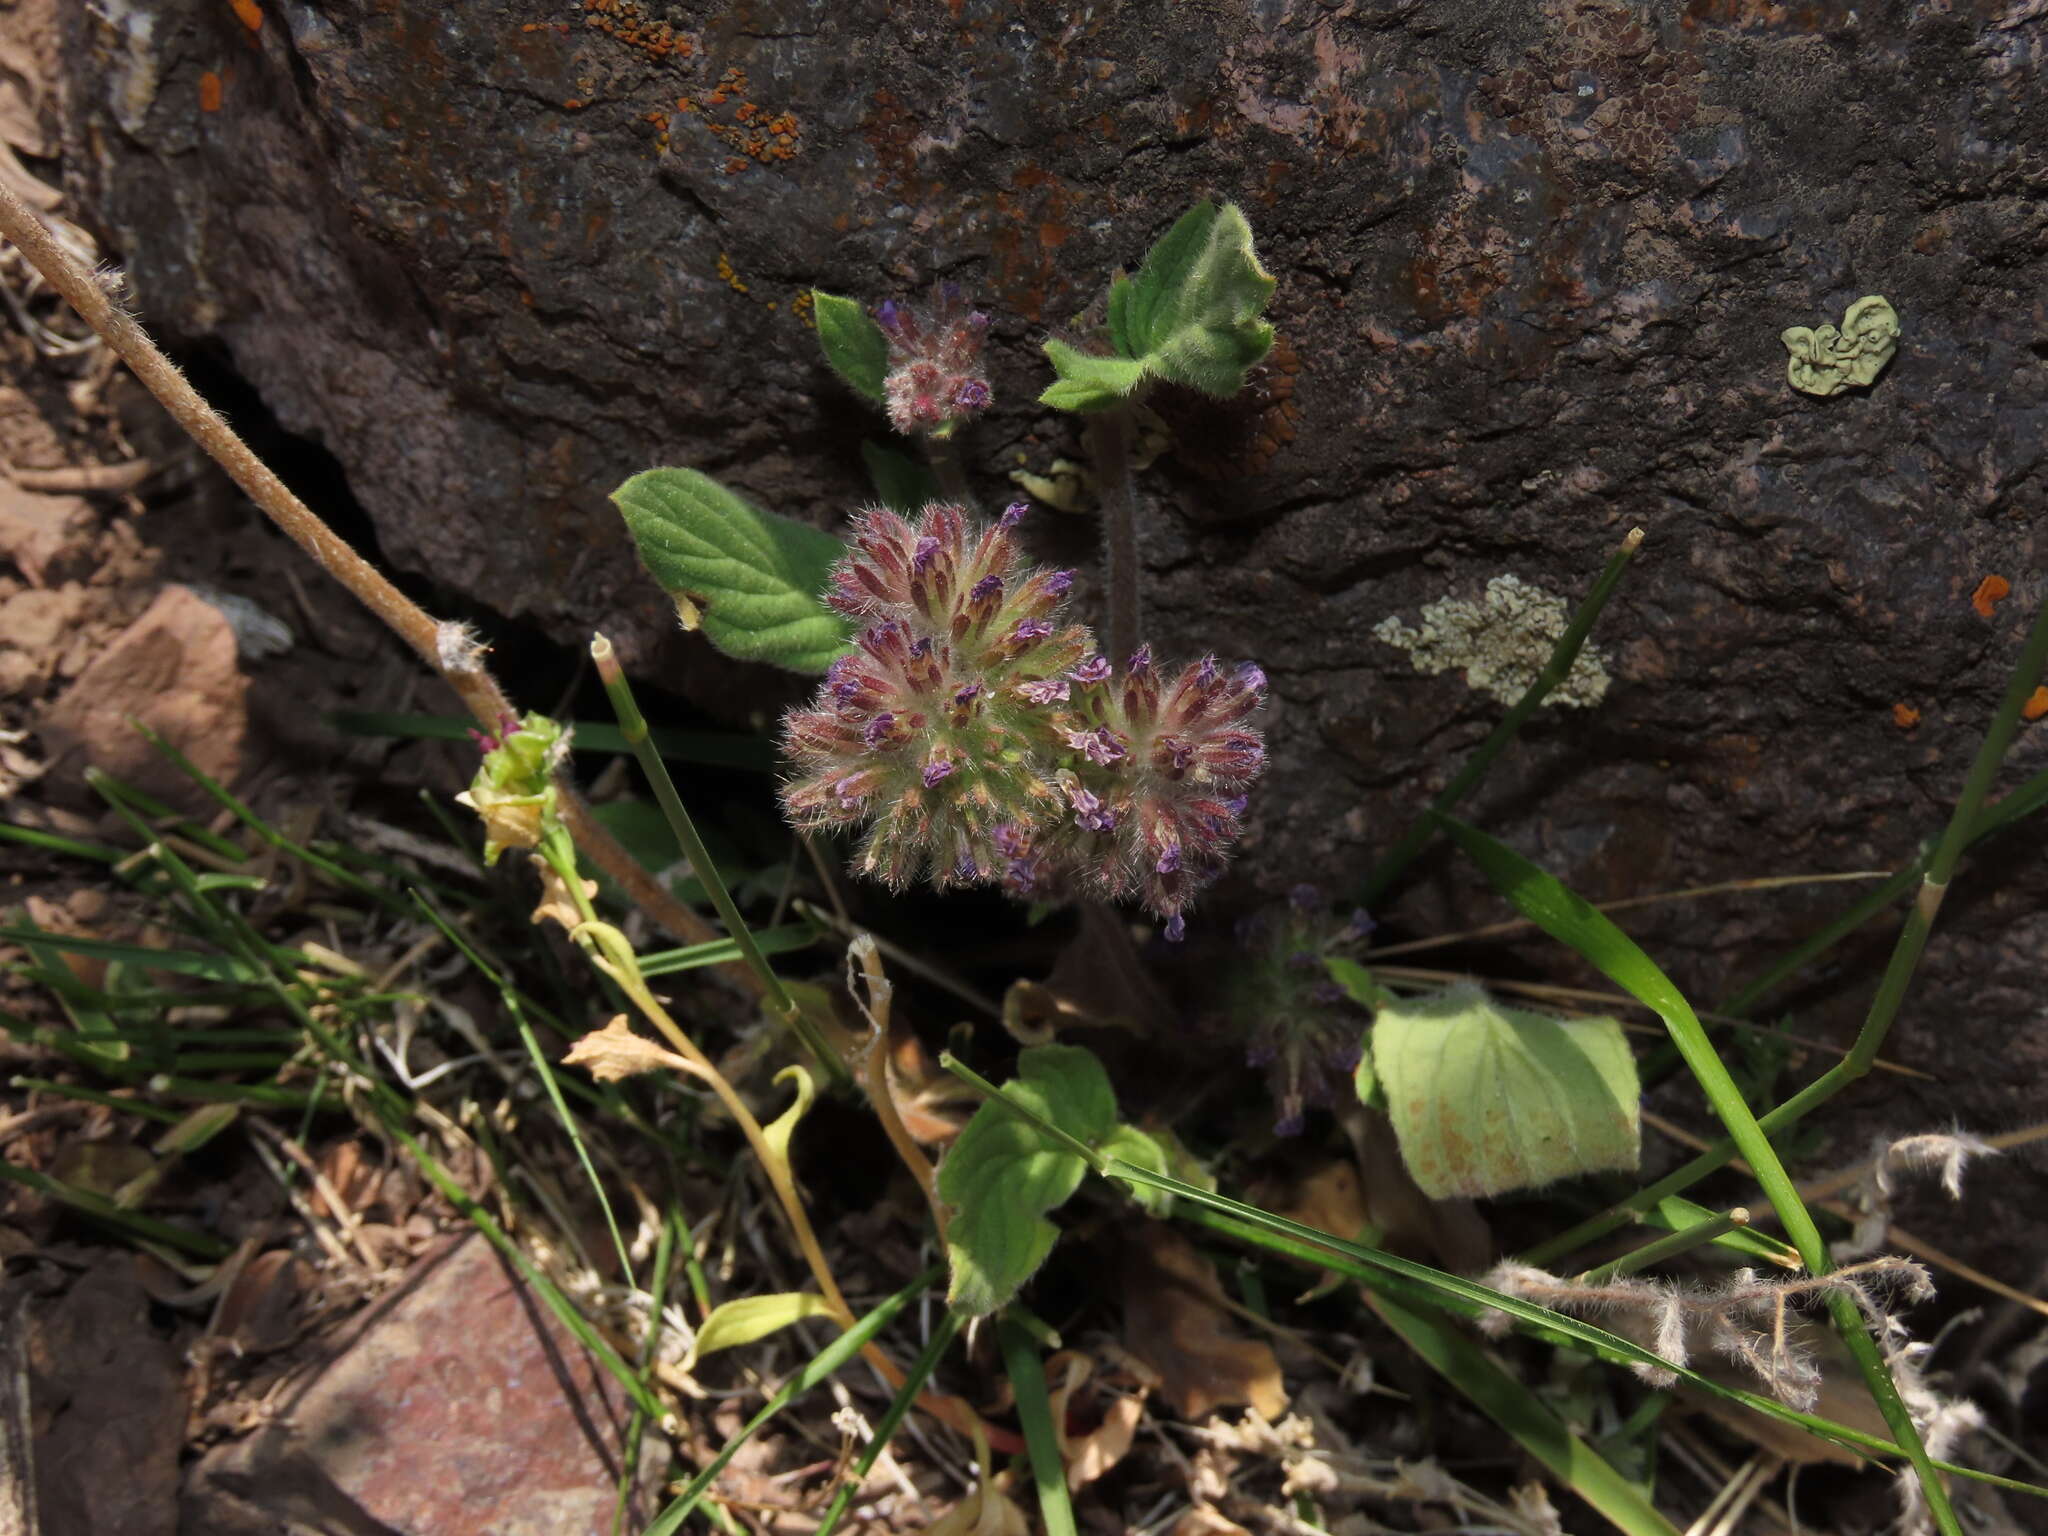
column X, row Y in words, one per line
column 935, row 376
column 982, row 740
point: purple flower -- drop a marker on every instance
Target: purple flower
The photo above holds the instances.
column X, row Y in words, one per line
column 878, row 730
column 1013, row 514
column 1095, row 669
column 1029, row 632
column 1361, row 924
column 1049, row 690
column 1059, row 582
column 934, row 770
column 1141, row 661
column 927, row 552
column 1100, row 746
column 1169, row 860
column 889, row 316
column 1205, row 675
column 966, row 695
column 972, row 395
column 1089, row 810
column 1251, row 677
column 1176, row 928
column 986, row 590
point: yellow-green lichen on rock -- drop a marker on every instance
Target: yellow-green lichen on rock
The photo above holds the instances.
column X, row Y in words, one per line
column 1500, row 642
column 1826, row 361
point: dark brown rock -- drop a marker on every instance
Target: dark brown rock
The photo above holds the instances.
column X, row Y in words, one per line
column 107, row 1405
column 1533, row 262
column 460, row 1406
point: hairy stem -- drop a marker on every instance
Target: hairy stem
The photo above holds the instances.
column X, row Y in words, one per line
column 446, row 648
column 942, row 454
column 1109, row 449
column 1555, row 670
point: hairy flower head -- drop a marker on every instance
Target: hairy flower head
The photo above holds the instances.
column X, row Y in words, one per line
column 935, row 378
column 982, row 739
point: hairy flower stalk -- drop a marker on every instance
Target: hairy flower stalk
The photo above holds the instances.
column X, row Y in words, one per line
column 982, row 740
column 1304, row 1031
column 935, row 379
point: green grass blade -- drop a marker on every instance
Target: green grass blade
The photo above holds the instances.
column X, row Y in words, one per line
column 1418, row 1284
column 822, row 1365
column 103, row 1210
column 899, row 1406
column 771, row 941
column 50, row 842
column 1034, row 1414
column 182, row 961
column 1565, row 916
column 1524, row 1415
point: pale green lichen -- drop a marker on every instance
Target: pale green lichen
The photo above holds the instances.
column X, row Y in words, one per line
column 1827, row 361
column 1500, row 642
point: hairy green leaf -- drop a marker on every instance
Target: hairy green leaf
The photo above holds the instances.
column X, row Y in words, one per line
column 747, row 1318
column 751, row 579
column 1193, row 309
column 854, row 345
column 1088, row 382
column 1487, row 1099
column 1141, row 1149
column 1004, row 1173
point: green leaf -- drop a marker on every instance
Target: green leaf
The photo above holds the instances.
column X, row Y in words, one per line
column 750, row 578
column 1674, row 1213
column 901, row 483
column 1192, row 312
column 1088, row 382
column 1141, row 1149
column 854, row 345
column 1487, row 1099
column 747, row 1318
column 1004, row 1173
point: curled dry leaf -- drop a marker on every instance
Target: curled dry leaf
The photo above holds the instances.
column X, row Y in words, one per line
column 1087, row 1456
column 1175, row 1321
column 615, row 1052
column 556, row 903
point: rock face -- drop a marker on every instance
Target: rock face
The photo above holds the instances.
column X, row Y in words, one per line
column 1534, row 263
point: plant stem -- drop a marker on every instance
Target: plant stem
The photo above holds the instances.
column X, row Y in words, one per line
column 634, row 726
column 1109, row 449
column 1898, row 973
column 449, row 649
column 942, row 454
column 1664, row 1247
column 1562, row 655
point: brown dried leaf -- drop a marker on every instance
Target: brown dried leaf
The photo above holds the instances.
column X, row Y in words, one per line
column 1088, row 1456
column 555, row 901
column 1202, row 1520
column 615, row 1052
column 1176, row 1323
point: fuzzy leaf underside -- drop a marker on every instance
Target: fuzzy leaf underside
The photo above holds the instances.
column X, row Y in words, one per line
column 1004, row 1174
column 854, row 345
column 1189, row 316
column 1487, row 1099
column 753, row 577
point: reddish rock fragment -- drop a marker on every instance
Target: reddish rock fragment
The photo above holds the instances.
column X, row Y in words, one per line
column 173, row 670
column 461, row 1406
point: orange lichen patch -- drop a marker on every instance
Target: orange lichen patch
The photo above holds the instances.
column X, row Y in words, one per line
column 248, row 12
column 732, row 278
column 209, row 92
column 2036, row 705
column 625, row 21
column 1905, row 716
column 800, row 306
column 1991, row 591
